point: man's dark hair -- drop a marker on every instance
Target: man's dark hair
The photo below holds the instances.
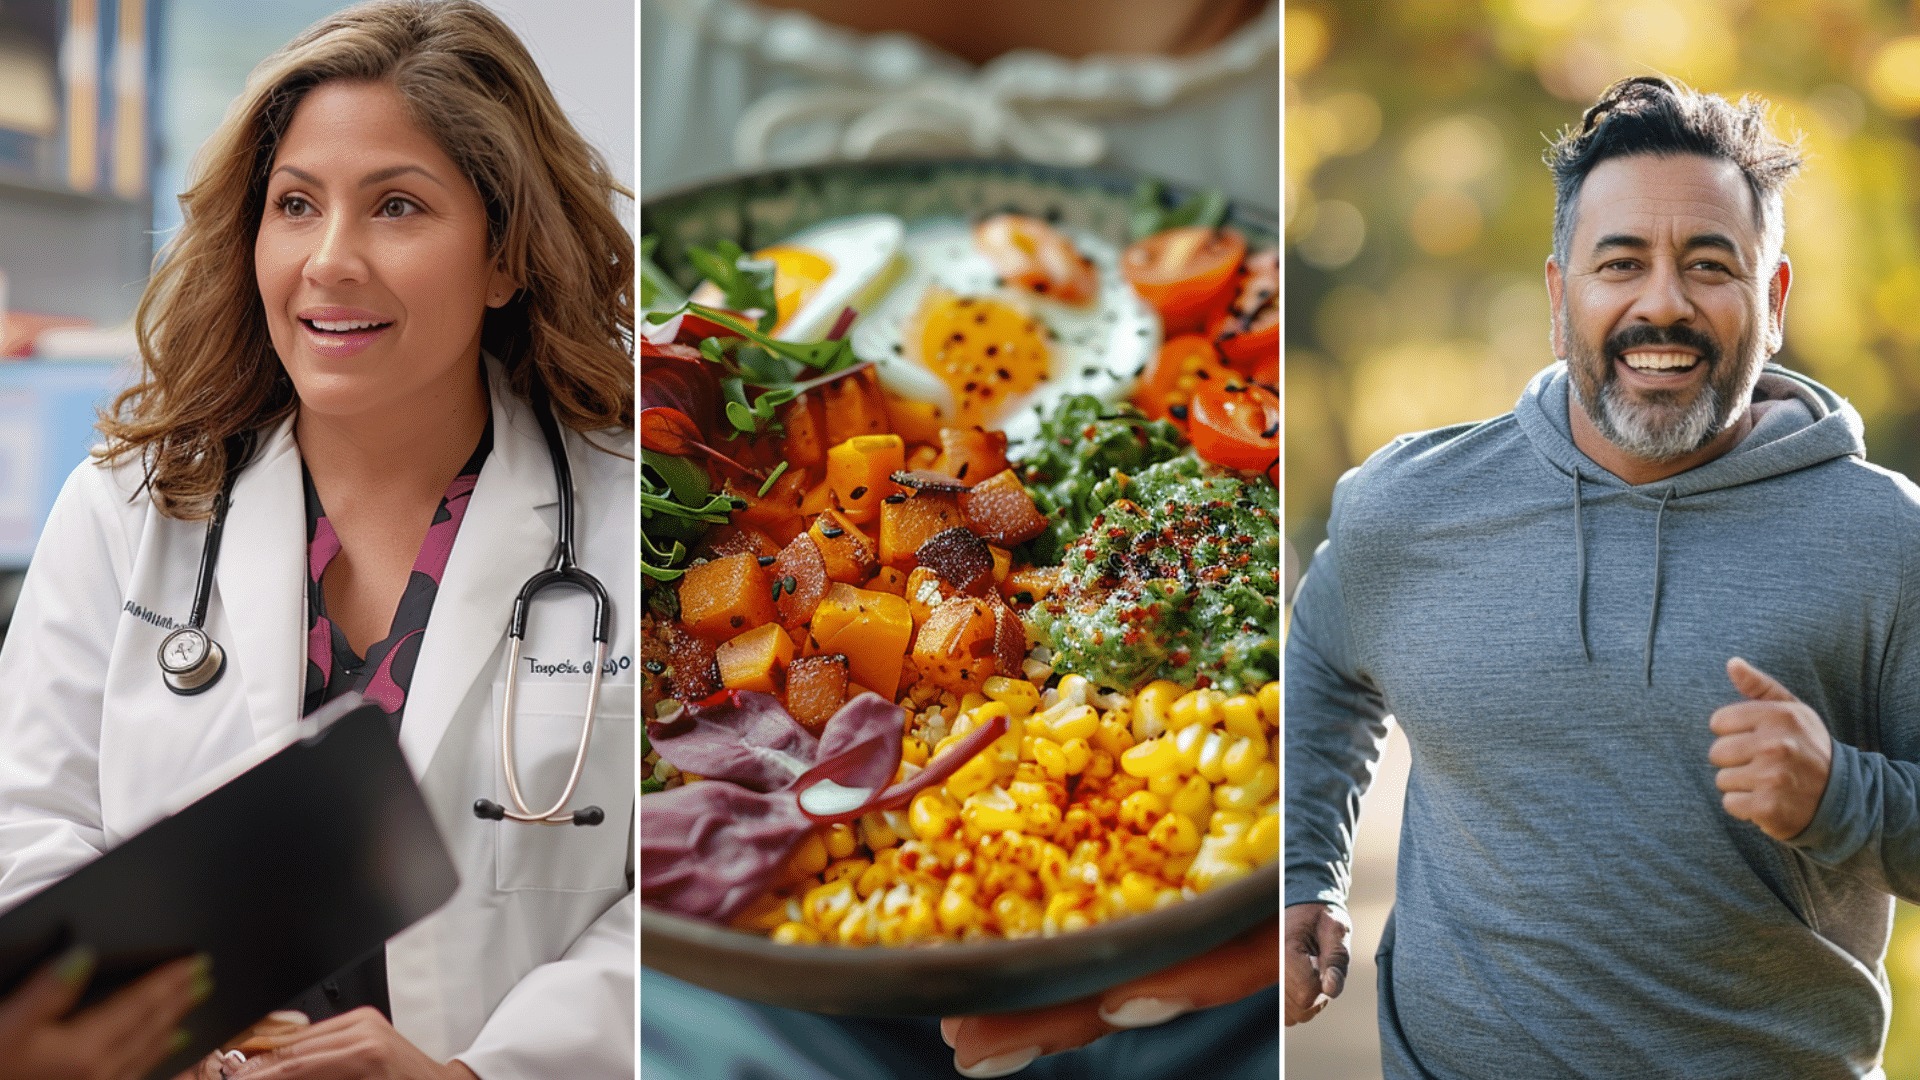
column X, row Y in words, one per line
column 1651, row 115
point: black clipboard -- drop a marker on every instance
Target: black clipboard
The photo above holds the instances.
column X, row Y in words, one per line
column 284, row 875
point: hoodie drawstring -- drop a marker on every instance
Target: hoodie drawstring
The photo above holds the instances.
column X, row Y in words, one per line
column 1580, row 570
column 1653, row 615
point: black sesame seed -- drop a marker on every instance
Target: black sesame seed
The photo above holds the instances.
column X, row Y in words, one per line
column 1023, row 597
column 792, row 584
column 896, row 499
column 768, row 560
column 1003, row 373
column 858, row 493
column 962, row 474
column 1178, row 412
column 832, row 532
column 993, row 350
column 1089, row 372
column 1271, row 431
column 654, row 667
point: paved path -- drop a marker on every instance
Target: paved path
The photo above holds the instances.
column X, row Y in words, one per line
column 1343, row 1043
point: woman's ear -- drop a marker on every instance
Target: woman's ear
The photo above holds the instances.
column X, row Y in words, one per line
column 500, row 287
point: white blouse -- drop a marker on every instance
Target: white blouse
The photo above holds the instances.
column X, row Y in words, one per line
column 729, row 85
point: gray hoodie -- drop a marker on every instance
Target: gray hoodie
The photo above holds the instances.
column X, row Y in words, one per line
column 1572, row 899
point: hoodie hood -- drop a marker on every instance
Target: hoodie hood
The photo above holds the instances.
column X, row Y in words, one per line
column 1797, row 424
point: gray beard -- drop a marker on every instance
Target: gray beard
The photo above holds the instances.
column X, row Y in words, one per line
column 1655, row 432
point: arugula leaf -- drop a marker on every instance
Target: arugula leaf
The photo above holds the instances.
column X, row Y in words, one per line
column 687, row 481
column 1146, row 216
column 746, row 283
column 656, row 288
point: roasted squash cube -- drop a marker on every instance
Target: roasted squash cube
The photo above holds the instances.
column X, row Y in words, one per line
column 755, row 659
column 907, row 524
column 859, row 472
column 1001, row 512
column 850, row 556
column 816, row 688
column 971, row 454
column 872, row 628
column 726, row 597
column 800, row 576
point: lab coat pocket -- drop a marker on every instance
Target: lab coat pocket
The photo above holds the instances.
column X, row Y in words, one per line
column 571, row 858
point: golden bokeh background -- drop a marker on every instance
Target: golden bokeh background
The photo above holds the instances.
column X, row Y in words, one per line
column 1418, row 221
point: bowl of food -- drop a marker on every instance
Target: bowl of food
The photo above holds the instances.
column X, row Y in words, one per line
column 962, row 575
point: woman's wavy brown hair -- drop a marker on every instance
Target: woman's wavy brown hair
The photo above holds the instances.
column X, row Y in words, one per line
column 210, row 375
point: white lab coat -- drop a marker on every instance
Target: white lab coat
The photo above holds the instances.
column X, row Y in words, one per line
column 528, row 970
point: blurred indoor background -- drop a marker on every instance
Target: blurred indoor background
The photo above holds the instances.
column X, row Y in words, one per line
column 103, row 104
column 1418, row 216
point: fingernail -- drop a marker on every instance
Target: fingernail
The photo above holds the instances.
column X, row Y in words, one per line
column 947, row 1032
column 1001, row 1065
column 1144, row 1012
column 178, row 1040
column 289, row 1016
column 1336, row 978
column 75, row 965
column 201, row 988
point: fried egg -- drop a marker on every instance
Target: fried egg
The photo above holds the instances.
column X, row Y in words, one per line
column 817, row 274
column 954, row 335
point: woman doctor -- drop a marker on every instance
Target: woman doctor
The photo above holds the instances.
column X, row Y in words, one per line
column 396, row 249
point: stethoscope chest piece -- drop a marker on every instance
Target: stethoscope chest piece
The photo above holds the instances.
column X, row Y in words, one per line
column 190, row 661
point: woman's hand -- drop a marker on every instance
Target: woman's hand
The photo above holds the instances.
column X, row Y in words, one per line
column 360, row 1045
column 1005, row 1043
column 119, row 1039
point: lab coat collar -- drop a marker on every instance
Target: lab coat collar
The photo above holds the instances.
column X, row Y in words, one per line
column 261, row 575
column 504, row 539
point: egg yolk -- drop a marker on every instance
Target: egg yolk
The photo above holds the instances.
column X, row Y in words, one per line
column 986, row 350
column 797, row 275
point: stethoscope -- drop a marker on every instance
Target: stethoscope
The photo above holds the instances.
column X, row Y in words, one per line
column 191, row 661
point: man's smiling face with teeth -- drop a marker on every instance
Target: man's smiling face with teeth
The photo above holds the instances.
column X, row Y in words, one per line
column 1669, row 303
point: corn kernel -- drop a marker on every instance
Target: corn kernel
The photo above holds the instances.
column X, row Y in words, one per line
column 932, row 815
column 1073, row 689
column 846, row 868
column 1240, row 714
column 763, row 915
column 1229, row 822
column 1043, row 819
column 957, row 911
column 840, row 840
column 1113, row 735
column 1168, row 784
column 824, row 905
column 1257, row 789
column 1176, row 833
column 1191, row 708
column 1243, row 759
column 1137, row 890
column 855, row 928
column 793, row 933
column 1100, row 765
column 1194, row 799
column 1078, row 755
column 1175, row 868
column 913, row 750
column 971, row 777
column 810, row 857
column 1030, row 792
column 1074, row 921
column 1149, row 758
column 876, row 833
column 1060, row 903
column 1048, row 755
column 1212, row 761
column 1188, row 742
column 1018, row 916
column 971, row 701
column 919, row 923
column 1262, row 840
column 874, row 878
column 1079, row 722
column 1269, row 696
column 1150, row 708
column 1018, row 694
column 1001, row 878
column 1141, row 809
column 965, row 884
column 991, row 811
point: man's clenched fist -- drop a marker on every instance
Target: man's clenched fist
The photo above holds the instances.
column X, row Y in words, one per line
column 1773, row 753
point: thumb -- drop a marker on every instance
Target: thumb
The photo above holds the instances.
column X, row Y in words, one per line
column 1756, row 685
column 1333, row 957
column 47, row 996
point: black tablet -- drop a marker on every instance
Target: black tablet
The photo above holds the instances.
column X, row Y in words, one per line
column 284, row 875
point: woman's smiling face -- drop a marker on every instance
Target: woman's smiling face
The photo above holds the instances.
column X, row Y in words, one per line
column 372, row 258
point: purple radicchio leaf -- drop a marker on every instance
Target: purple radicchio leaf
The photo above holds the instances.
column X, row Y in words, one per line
column 710, row 848
column 737, row 735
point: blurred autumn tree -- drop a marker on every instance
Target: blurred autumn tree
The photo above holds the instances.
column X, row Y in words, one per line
column 1418, row 220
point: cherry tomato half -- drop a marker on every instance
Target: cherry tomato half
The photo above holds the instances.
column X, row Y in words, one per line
column 1186, row 363
column 1249, row 332
column 1187, row 274
column 1236, row 425
column 1031, row 254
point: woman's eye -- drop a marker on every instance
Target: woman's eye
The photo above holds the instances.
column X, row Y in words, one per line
column 294, row 206
column 395, row 206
